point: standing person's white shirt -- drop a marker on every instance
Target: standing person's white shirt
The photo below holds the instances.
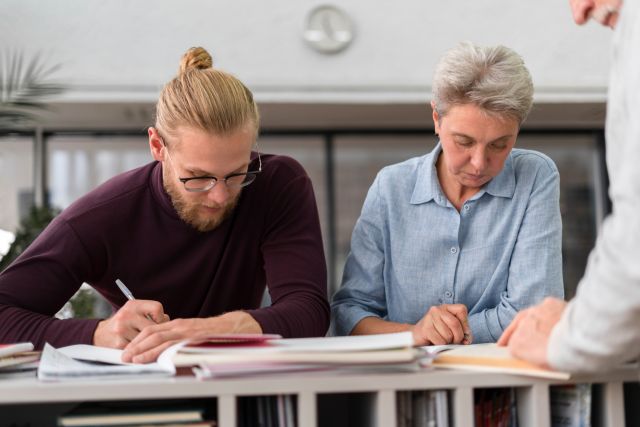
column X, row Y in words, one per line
column 601, row 326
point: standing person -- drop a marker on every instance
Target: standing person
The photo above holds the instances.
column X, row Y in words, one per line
column 451, row 245
column 196, row 235
column 600, row 327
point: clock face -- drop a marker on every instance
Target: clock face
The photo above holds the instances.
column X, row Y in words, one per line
column 329, row 29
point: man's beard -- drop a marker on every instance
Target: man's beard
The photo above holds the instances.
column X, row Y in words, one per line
column 190, row 213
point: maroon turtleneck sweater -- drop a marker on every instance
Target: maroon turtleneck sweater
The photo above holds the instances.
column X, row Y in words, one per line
column 128, row 229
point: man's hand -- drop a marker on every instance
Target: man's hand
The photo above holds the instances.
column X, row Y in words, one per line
column 118, row 330
column 443, row 324
column 528, row 334
column 154, row 339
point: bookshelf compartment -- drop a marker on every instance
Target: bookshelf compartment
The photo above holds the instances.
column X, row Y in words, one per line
column 142, row 412
column 423, row 408
column 495, row 406
column 42, row 414
column 268, row 411
column 631, row 392
column 347, row 410
column 571, row 405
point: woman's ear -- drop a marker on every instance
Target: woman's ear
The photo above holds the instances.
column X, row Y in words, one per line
column 156, row 144
column 436, row 118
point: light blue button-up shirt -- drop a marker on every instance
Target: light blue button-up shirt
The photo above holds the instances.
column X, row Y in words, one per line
column 411, row 249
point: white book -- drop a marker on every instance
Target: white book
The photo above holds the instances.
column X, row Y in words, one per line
column 77, row 362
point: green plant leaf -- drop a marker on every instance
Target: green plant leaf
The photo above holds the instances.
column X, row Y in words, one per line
column 24, row 87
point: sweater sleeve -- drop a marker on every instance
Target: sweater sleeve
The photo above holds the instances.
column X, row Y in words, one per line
column 36, row 286
column 294, row 264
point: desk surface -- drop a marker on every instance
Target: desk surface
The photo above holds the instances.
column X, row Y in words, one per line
column 30, row 390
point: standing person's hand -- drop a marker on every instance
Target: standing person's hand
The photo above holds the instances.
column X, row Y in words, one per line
column 443, row 324
column 154, row 339
column 121, row 328
column 528, row 334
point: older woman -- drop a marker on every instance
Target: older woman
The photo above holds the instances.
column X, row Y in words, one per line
column 451, row 245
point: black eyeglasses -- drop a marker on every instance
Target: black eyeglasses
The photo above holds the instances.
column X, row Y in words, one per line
column 200, row 184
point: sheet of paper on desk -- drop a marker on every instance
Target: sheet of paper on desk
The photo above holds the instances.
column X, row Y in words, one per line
column 62, row 365
column 346, row 344
column 231, row 370
column 430, row 352
column 310, row 345
column 14, row 348
column 400, row 355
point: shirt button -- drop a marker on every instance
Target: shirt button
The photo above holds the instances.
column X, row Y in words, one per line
column 466, row 208
column 454, row 250
column 448, row 294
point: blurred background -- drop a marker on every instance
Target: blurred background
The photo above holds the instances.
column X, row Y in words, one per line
column 342, row 86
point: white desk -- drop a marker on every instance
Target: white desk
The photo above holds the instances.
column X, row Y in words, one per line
column 378, row 391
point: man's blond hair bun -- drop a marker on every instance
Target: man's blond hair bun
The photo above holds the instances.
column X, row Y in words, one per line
column 196, row 58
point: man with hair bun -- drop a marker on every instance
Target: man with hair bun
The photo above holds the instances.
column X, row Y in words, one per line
column 196, row 236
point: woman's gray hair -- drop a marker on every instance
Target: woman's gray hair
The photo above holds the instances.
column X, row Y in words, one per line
column 493, row 78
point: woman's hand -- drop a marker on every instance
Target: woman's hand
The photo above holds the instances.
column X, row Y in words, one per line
column 443, row 324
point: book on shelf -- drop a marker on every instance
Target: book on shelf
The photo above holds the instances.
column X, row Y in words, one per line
column 132, row 418
column 491, row 358
column 570, row 405
column 422, row 408
column 495, row 407
column 267, row 411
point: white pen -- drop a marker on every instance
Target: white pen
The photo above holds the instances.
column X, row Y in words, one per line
column 127, row 293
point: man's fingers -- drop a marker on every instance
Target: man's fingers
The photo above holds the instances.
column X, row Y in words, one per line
column 152, row 354
column 150, row 310
column 508, row 332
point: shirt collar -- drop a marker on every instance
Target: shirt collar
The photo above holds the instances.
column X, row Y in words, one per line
column 427, row 186
column 503, row 185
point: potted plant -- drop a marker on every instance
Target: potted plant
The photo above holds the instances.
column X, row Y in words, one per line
column 25, row 86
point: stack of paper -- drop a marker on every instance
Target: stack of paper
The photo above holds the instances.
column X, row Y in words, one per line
column 228, row 355
column 299, row 354
column 363, row 349
column 17, row 357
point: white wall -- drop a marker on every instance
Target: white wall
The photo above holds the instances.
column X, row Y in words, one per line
column 124, row 50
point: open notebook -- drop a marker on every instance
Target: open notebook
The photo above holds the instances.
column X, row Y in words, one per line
column 491, row 358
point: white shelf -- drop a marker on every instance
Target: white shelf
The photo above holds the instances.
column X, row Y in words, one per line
column 379, row 389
